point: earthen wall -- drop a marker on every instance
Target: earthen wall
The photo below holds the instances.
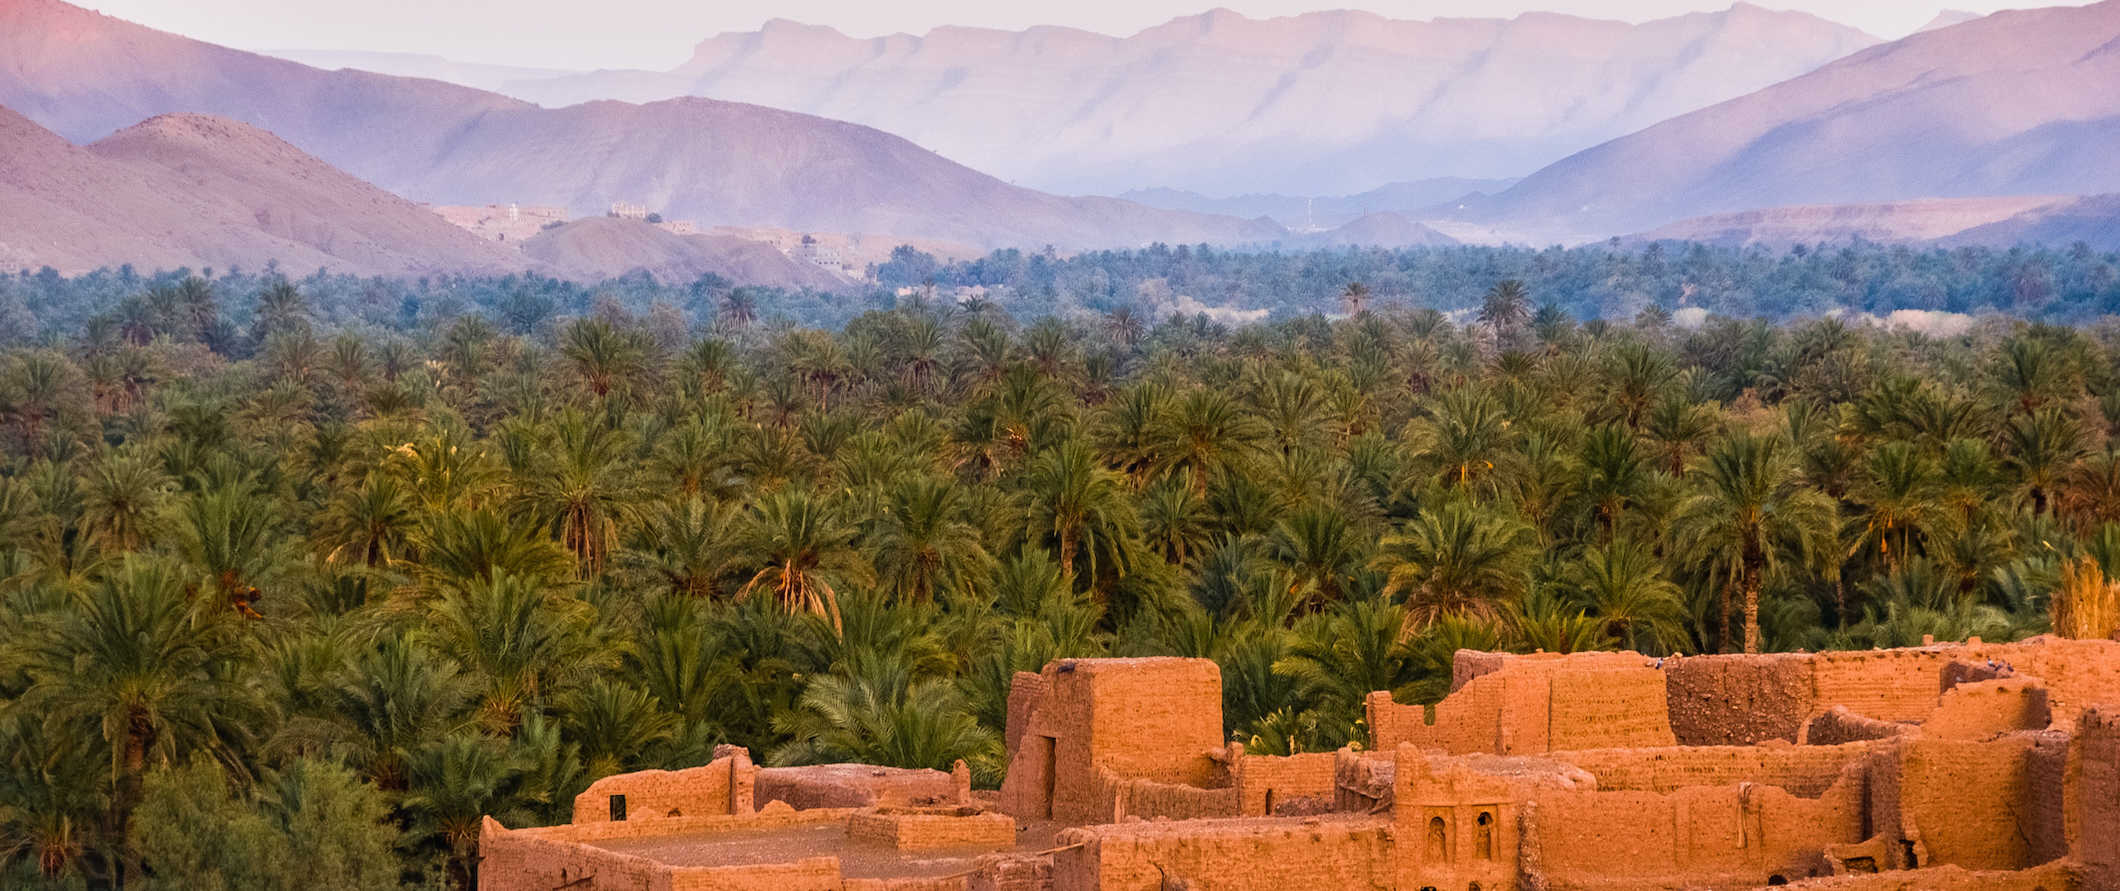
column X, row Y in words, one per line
column 722, row 786
column 1959, row 802
column 1532, row 705
column 2092, row 809
column 1147, row 719
column 1806, row 771
column 853, row 785
column 1244, row 854
column 1736, row 835
column 928, row 832
column 1151, row 800
column 1266, row 782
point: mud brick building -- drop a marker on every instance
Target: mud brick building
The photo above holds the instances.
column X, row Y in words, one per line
column 1952, row 766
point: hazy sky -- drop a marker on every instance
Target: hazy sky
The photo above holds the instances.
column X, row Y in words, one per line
column 660, row 33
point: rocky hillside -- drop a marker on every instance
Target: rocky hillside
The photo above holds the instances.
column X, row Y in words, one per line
column 1322, row 103
column 191, row 190
column 2022, row 102
column 86, row 75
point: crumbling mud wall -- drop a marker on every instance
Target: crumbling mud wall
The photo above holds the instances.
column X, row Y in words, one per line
column 1026, row 691
column 1468, row 664
column 920, row 830
column 1139, row 719
column 1962, row 803
column 722, row 786
column 2077, row 674
column 1151, row 800
column 1745, row 699
column 1983, row 709
column 1243, row 854
column 1806, row 771
column 544, row 859
column 1266, row 783
column 1534, row 704
column 1837, row 726
column 2091, row 818
column 858, row 785
column 1731, row 835
column 1889, row 685
column 1738, row 700
column 518, row 861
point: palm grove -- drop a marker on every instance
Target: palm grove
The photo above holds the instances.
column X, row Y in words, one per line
column 294, row 604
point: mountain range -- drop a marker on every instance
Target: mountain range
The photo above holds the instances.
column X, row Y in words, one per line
column 1320, row 103
column 85, row 75
column 2024, row 102
column 192, row 190
column 1975, row 132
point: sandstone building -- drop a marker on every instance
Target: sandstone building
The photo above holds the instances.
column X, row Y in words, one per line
column 1954, row 766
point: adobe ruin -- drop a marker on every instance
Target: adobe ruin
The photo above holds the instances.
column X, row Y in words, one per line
column 1952, row 766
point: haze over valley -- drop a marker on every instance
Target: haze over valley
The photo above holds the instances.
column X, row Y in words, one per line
column 1326, row 129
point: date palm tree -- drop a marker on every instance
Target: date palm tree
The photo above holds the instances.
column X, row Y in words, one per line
column 1463, row 431
column 2038, row 448
column 1320, row 550
column 1354, row 299
column 1071, row 503
column 458, row 781
column 1614, row 473
column 1338, row 657
column 1749, row 515
column 686, row 545
column 122, row 498
column 1457, row 561
column 885, row 715
column 522, row 641
column 463, row 548
column 924, row 543
column 1174, row 519
column 802, row 549
column 134, row 666
column 232, row 535
column 1898, row 491
column 584, row 489
column 1678, row 426
column 387, row 702
column 604, row 358
column 1206, row 433
column 1505, row 308
column 1623, row 584
column 370, row 524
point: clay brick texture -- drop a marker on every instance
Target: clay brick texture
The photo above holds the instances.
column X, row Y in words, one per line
column 1953, row 766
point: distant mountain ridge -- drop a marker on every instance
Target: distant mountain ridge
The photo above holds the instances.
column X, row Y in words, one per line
column 1897, row 222
column 85, row 75
column 193, row 190
column 1320, row 103
column 2023, row 102
column 470, row 74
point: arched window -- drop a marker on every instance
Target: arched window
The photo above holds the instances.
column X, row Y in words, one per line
column 1438, row 840
column 1483, row 839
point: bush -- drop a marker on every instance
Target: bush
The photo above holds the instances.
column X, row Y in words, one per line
column 313, row 825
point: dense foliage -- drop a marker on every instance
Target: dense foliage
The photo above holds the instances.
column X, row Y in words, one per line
column 331, row 586
column 1610, row 281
